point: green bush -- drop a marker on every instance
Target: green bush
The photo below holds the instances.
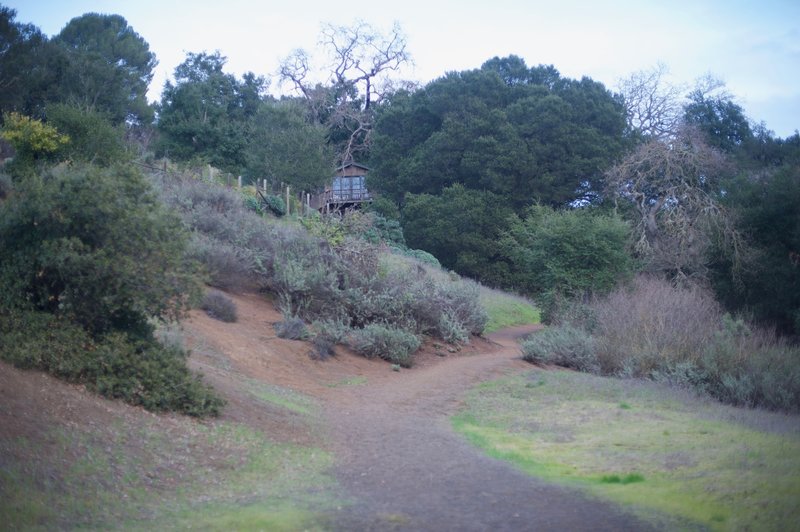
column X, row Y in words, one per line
column 116, row 365
column 95, row 246
column 394, row 345
column 89, row 259
column 92, row 137
column 564, row 346
column 572, row 251
column 219, row 306
column 275, row 204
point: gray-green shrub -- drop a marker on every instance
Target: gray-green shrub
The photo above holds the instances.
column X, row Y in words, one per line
column 562, row 345
column 386, row 342
column 292, row 328
column 327, row 333
column 325, row 271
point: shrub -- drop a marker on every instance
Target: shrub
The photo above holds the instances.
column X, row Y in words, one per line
column 275, row 204
column 253, row 203
column 327, row 334
column 652, row 324
column 95, row 246
column 562, row 345
column 292, row 328
column 219, row 306
column 451, row 329
column 678, row 335
column 92, row 137
column 138, row 371
column 423, row 256
column 571, row 251
column 386, row 342
column 229, row 267
column 328, row 271
column 752, row 367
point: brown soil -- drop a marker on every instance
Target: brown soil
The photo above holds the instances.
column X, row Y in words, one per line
column 397, row 458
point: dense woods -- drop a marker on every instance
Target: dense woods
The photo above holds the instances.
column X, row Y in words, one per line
column 510, row 174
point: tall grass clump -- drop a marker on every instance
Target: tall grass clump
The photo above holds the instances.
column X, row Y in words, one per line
column 679, row 335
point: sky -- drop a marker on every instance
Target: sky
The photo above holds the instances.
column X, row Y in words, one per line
column 753, row 46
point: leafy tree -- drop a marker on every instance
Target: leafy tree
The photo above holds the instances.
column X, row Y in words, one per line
column 285, row 146
column 768, row 284
column 30, row 66
column 207, row 113
column 572, row 252
column 95, row 247
column 716, row 114
column 461, row 228
column 110, row 67
column 524, row 134
column 92, row 137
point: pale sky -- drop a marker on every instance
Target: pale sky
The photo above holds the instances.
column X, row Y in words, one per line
column 754, row 46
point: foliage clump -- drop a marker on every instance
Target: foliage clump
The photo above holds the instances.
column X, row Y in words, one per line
column 292, row 328
column 565, row 346
column 389, row 343
column 89, row 258
column 219, row 306
column 657, row 330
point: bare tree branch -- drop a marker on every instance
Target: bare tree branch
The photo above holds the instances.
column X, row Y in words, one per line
column 360, row 61
column 672, row 186
column 653, row 106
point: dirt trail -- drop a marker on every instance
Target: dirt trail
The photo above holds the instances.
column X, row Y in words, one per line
column 397, row 458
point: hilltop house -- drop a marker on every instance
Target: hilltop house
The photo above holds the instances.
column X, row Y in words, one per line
column 347, row 190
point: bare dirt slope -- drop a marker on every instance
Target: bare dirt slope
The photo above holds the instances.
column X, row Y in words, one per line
column 398, row 463
column 397, row 458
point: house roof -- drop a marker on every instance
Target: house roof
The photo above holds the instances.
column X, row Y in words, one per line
column 348, row 165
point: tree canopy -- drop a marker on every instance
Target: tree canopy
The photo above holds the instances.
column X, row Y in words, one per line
column 525, row 134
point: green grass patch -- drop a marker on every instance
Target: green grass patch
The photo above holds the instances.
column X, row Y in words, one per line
column 282, row 397
column 668, row 455
column 158, row 474
column 507, row 310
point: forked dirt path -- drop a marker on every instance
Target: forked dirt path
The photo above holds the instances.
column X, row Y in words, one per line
column 396, row 456
column 399, row 458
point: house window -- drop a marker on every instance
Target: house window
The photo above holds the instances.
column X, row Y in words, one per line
column 349, row 188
